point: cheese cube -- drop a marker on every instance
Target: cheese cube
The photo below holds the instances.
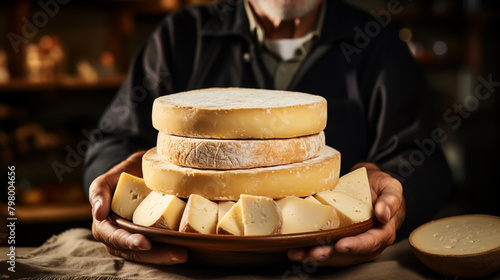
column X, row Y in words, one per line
column 350, row 209
column 356, row 184
column 129, row 193
column 224, row 207
column 200, row 215
column 231, row 222
column 300, row 215
column 159, row 210
column 260, row 215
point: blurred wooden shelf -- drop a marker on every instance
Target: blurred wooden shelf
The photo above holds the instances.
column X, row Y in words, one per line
column 29, row 214
column 67, row 83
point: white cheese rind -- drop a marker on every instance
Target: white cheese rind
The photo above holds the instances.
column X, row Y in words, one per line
column 458, row 235
column 260, row 215
column 237, row 113
column 356, row 184
column 301, row 215
column 349, row 209
column 129, row 193
column 297, row 179
column 236, row 154
column 200, row 215
column 159, row 210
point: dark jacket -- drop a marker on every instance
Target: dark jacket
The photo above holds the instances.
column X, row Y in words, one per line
column 377, row 105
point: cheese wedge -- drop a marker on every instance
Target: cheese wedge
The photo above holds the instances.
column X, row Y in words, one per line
column 349, row 209
column 224, row 207
column 312, row 199
column 232, row 222
column 300, row 215
column 200, row 215
column 260, row 215
column 356, row 184
column 129, row 193
column 237, row 113
column 159, row 210
column 296, row 179
column 237, row 154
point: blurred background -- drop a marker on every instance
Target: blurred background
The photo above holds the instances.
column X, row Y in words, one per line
column 61, row 62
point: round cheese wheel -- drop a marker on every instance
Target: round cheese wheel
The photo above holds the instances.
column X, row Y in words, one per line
column 296, row 179
column 237, row 113
column 237, row 154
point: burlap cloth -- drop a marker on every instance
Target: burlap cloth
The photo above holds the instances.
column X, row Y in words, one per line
column 74, row 254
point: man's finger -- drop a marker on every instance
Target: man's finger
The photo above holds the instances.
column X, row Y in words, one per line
column 116, row 237
column 100, row 198
column 160, row 254
column 368, row 242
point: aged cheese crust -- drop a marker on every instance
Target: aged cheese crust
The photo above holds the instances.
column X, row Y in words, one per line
column 237, row 113
column 236, row 154
column 296, row 179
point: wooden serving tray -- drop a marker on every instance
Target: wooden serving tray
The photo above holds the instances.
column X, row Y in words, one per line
column 241, row 250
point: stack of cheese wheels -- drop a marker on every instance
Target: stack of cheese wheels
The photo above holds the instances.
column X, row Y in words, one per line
column 242, row 162
column 220, row 143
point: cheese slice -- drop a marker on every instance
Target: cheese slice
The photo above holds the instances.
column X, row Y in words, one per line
column 129, row 193
column 458, row 235
column 240, row 113
column 300, row 215
column 236, row 154
column 312, row 199
column 159, row 210
column 231, row 222
column 200, row 215
column 349, row 209
column 224, row 207
column 356, row 184
column 296, row 179
column 260, row 215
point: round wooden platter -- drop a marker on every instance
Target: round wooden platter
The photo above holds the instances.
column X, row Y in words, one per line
column 230, row 249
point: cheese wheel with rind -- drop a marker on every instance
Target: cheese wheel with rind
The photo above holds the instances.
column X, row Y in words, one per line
column 237, row 154
column 237, row 113
column 296, row 179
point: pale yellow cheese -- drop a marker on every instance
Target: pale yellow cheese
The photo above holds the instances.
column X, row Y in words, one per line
column 356, row 184
column 159, row 210
column 224, row 207
column 260, row 215
column 232, row 222
column 301, row 215
column 200, row 215
column 349, row 209
column 296, row 179
column 458, row 235
column 129, row 193
column 239, row 153
column 312, row 199
column 240, row 113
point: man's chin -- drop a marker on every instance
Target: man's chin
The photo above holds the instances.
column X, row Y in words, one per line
column 285, row 10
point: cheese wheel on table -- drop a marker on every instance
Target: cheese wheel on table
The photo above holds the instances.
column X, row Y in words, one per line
column 297, row 179
column 236, row 154
column 237, row 113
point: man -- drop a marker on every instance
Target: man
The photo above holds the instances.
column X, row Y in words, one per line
column 377, row 110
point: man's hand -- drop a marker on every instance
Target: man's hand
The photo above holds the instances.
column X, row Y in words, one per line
column 390, row 211
column 120, row 242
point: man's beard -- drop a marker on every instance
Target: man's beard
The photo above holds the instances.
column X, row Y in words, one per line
column 285, row 9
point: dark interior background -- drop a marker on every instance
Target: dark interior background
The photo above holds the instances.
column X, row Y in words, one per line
column 60, row 66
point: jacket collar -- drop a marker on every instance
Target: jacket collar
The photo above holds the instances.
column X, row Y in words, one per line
column 231, row 20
